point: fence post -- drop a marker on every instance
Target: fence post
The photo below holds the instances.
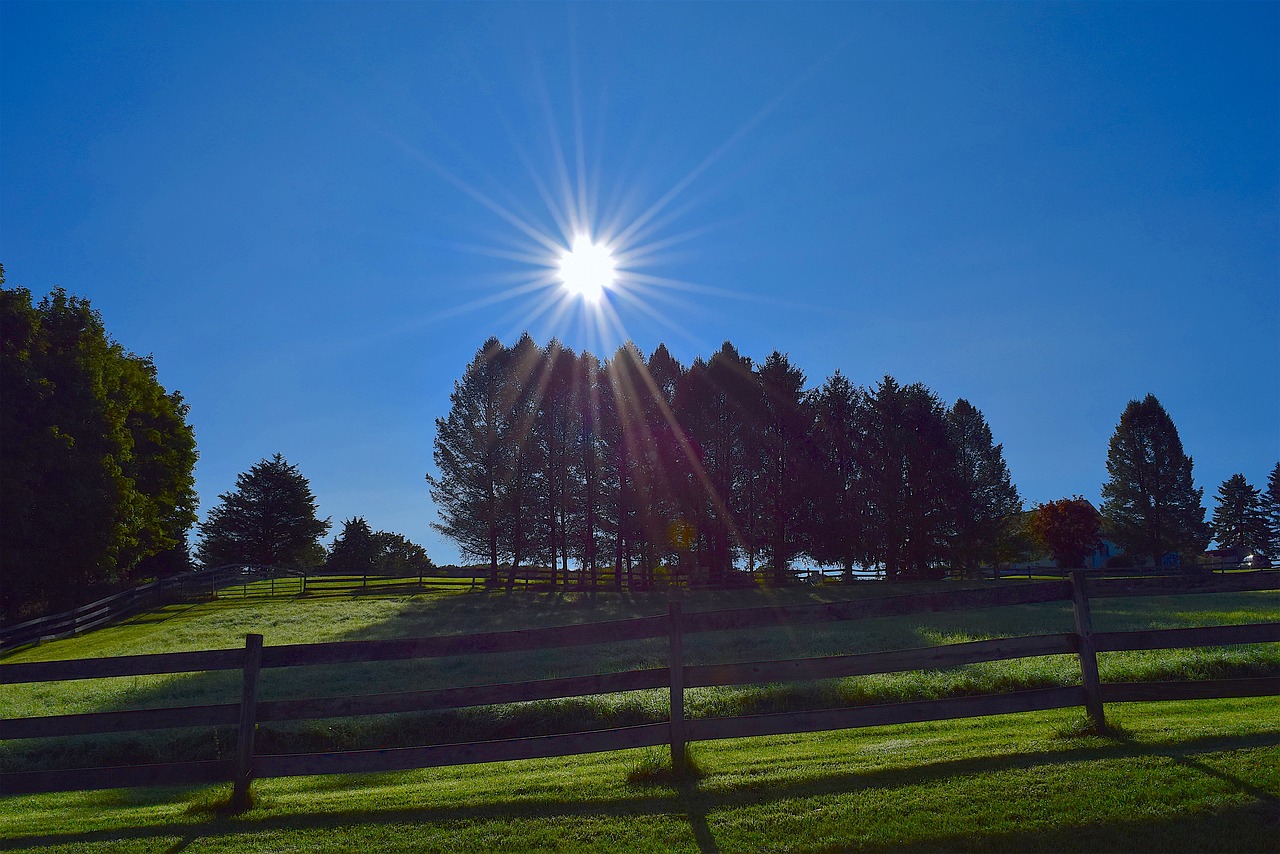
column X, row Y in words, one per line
column 676, row 664
column 1088, row 653
column 248, row 720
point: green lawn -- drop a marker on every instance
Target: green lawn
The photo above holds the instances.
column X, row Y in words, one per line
column 1184, row 776
column 1201, row 776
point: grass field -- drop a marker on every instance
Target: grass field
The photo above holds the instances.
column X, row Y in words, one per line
column 1181, row 776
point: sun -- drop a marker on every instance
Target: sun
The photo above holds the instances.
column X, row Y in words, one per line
column 587, row 268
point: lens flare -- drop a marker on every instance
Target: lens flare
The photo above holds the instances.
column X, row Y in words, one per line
column 587, row 269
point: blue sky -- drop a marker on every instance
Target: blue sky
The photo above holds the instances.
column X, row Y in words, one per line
column 314, row 214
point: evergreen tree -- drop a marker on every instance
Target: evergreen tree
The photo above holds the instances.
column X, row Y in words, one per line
column 1239, row 520
column 523, row 370
column 1151, row 505
column 269, row 519
column 1070, row 529
column 355, row 551
column 473, row 458
column 1271, row 512
column 837, row 518
column 910, row 476
column 986, row 499
column 784, row 463
column 97, row 459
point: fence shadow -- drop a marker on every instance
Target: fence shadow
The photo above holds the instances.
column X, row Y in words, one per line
column 699, row 804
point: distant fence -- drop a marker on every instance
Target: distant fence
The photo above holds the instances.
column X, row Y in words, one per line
column 175, row 588
column 677, row 677
column 247, row 579
column 267, row 580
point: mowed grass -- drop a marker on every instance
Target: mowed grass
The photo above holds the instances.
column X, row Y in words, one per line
column 1178, row 776
column 1200, row 776
column 453, row 610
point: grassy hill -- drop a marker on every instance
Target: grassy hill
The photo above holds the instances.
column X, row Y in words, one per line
column 1197, row 775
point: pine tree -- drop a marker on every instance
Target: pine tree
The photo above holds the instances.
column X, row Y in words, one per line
column 1239, row 521
column 1271, row 512
column 783, row 462
column 986, row 499
column 269, row 520
column 355, row 551
column 1151, row 505
column 837, row 516
column 911, row 479
column 473, row 459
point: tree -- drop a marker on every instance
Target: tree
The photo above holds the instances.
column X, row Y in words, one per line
column 399, row 556
column 838, row 512
column 986, row 498
column 473, row 459
column 97, row 459
column 910, row 476
column 354, row 550
column 1271, row 511
column 1151, row 505
column 1239, row 521
column 1069, row 528
column 783, row 462
column 269, row 519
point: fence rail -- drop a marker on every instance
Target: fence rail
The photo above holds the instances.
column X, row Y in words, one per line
column 676, row 676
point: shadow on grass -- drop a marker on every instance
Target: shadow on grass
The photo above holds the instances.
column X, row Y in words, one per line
column 696, row 803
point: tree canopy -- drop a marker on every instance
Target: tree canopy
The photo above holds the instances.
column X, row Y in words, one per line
column 96, row 466
column 268, row 519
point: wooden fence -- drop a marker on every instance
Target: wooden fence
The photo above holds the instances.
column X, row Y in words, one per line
column 175, row 588
column 677, row 677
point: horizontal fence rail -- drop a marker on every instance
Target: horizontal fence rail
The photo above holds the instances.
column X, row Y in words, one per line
column 677, row 677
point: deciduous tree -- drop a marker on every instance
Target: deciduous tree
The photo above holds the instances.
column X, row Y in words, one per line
column 1069, row 528
column 97, row 458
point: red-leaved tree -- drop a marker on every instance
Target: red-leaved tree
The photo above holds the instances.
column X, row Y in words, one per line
column 1069, row 528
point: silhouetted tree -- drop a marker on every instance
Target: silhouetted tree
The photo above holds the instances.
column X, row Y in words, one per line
column 473, row 456
column 269, row 519
column 715, row 406
column 355, row 550
column 1239, row 520
column 523, row 369
column 397, row 555
column 784, row 463
column 910, row 477
column 1070, row 529
column 97, row 460
column 986, row 498
column 1271, row 511
column 838, row 519
column 1151, row 505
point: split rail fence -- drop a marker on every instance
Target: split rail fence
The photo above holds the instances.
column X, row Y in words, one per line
column 677, row 677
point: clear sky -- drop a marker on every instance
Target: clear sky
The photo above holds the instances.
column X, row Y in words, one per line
column 314, row 214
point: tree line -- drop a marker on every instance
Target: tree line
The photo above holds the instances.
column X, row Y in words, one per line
column 548, row 456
